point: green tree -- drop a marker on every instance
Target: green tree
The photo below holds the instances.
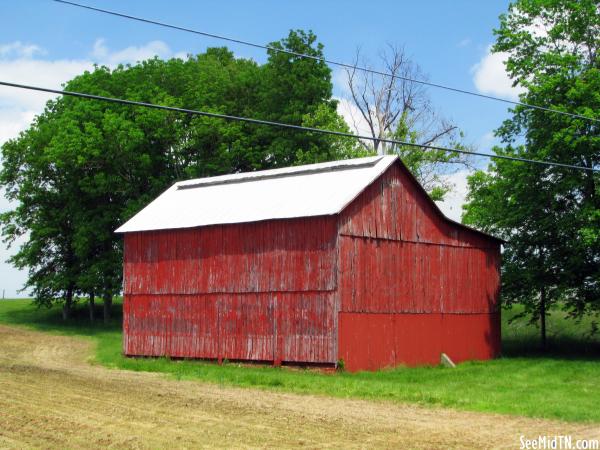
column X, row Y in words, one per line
column 298, row 91
column 549, row 215
column 84, row 167
column 48, row 254
column 328, row 147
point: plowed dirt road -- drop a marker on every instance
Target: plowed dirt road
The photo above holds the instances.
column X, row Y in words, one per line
column 51, row 397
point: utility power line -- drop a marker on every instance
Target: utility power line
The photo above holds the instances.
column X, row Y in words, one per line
column 289, row 126
column 328, row 61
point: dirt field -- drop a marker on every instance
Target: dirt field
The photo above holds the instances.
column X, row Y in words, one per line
column 51, row 397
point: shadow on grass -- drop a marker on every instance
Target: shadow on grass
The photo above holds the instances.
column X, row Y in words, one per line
column 50, row 319
column 566, row 338
column 568, row 348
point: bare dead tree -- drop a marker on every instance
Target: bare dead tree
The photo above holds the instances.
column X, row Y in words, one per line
column 394, row 107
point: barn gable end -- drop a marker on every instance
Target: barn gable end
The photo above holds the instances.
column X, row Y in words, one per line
column 416, row 282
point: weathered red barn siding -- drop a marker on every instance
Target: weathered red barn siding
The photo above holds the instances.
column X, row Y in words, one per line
column 412, row 284
column 387, row 281
column 255, row 291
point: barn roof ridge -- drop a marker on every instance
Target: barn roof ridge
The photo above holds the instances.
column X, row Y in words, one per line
column 245, row 177
column 286, row 193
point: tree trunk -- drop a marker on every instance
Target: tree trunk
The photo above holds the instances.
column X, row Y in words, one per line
column 543, row 318
column 66, row 311
column 107, row 300
column 91, row 306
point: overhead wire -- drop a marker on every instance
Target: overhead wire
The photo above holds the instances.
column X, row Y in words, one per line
column 291, row 126
column 326, row 60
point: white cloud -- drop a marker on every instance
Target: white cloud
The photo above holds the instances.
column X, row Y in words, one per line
column 28, row 64
column 18, row 107
column 19, row 50
column 13, row 121
column 464, row 43
column 184, row 55
column 455, row 199
column 100, row 50
column 37, row 72
column 19, row 64
column 11, row 279
column 129, row 55
column 490, row 77
column 353, row 117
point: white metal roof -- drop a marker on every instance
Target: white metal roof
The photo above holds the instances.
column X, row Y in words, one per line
column 301, row 191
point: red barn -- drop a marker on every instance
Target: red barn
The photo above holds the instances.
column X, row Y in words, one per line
column 316, row 264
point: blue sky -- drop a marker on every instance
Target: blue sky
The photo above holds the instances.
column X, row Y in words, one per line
column 46, row 43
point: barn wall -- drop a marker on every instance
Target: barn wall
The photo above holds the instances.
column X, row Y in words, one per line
column 411, row 284
column 261, row 291
column 272, row 256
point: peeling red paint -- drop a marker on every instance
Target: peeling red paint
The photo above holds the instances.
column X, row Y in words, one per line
column 290, row 327
column 261, row 291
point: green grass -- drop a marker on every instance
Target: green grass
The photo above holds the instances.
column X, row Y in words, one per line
column 563, row 383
